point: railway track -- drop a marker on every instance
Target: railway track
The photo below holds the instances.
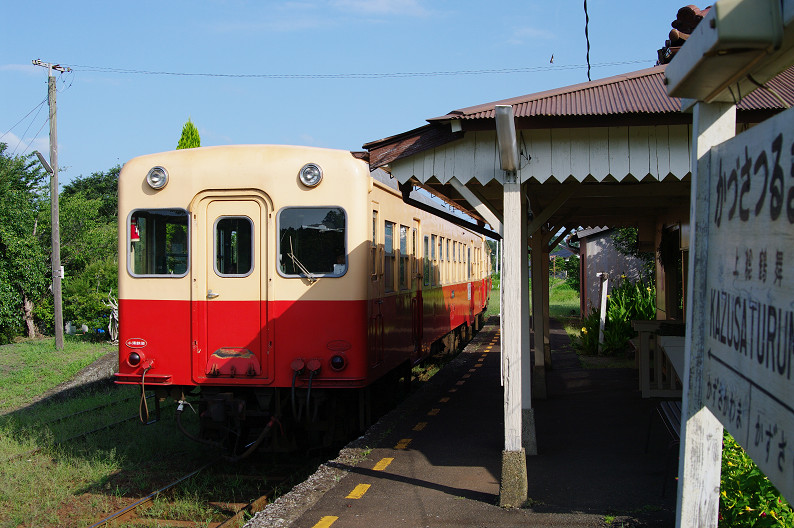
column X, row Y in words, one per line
column 222, row 511
column 82, row 434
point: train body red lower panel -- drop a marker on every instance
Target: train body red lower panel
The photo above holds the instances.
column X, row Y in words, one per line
column 252, row 343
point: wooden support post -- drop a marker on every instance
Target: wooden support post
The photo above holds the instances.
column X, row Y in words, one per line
column 529, row 440
column 701, row 433
column 544, row 260
column 538, row 322
column 513, row 489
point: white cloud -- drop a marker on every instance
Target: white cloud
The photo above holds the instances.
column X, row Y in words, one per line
column 306, row 139
column 383, row 7
column 21, row 147
column 24, row 68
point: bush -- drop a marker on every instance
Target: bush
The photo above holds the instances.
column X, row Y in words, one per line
column 85, row 295
column 627, row 302
column 587, row 341
column 571, row 269
column 747, row 498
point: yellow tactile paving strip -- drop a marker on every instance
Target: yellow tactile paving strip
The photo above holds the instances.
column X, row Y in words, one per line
column 359, row 491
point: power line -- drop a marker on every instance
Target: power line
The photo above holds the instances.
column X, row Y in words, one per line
column 355, row 75
column 37, row 107
column 587, row 37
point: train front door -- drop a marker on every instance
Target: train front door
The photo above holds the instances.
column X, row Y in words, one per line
column 231, row 327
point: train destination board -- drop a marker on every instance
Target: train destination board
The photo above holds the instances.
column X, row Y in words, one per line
column 748, row 312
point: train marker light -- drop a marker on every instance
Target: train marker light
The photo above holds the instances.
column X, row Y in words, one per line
column 338, row 362
column 157, row 178
column 134, row 359
column 311, row 175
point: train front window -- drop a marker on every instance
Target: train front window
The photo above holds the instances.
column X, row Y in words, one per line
column 312, row 242
column 234, row 246
column 158, row 243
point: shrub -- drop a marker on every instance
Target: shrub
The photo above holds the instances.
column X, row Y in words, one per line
column 747, row 498
column 627, row 302
column 587, row 340
column 571, row 268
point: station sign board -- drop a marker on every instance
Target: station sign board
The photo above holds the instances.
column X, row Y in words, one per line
column 748, row 319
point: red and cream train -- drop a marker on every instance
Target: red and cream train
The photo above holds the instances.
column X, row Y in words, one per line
column 281, row 281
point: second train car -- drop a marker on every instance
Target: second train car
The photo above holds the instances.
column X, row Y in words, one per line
column 282, row 282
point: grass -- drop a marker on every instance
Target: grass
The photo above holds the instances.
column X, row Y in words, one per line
column 34, row 366
column 563, row 303
column 564, row 307
column 72, row 482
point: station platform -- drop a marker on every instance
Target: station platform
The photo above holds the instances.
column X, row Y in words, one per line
column 437, row 459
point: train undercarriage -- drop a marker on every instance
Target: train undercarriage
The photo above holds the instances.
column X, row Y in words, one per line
column 241, row 420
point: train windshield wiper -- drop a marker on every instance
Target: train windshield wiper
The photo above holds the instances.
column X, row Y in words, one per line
column 312, row 279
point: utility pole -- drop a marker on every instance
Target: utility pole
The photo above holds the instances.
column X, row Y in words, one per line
column 57, row 270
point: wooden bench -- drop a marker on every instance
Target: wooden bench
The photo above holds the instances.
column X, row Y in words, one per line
column 669, row 412
column 657, row 375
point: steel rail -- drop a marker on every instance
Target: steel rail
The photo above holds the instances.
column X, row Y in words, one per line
column 151, row 496
column 78, row 413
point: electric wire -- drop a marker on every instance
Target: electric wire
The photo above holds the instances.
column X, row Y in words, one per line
column 355, row 75
column 587, row 37
column 37, row 107
column 32, row 139
column 769, row 90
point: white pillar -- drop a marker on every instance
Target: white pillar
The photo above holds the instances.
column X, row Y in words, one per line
column 513, row 490
column 701, row 433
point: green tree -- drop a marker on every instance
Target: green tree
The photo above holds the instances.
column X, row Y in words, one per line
column 85, row 235
column 626, row 241
column 23, row 253
column 190, row 136
column 89, row 250
column 103, row 186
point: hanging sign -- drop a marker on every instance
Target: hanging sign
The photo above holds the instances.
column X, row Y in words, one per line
column 748, row 352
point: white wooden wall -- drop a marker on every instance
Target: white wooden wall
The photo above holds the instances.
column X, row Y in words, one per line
column 559, row 153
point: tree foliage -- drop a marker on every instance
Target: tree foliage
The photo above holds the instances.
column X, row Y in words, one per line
column 103, row 186
column 23, row 251
column 626, row 241
column 190, row 136
column 88, row 231
column 89, row 251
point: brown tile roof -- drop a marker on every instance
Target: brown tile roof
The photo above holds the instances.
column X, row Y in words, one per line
column 640, row 92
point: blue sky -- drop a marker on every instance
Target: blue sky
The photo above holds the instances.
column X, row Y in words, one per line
column 335, row 59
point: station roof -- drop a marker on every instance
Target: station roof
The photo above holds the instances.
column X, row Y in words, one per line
column 633, row 100
column 623, row 99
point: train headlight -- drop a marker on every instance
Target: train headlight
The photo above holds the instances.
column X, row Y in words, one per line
column 311, row 175
column 157, row 178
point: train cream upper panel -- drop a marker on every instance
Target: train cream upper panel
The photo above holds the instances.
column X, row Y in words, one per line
column 232, row 184
column 448, row 264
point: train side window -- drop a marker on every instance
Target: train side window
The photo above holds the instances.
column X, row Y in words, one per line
column 403, row 265
column 234, row 246
column 311, row 242
column 427, row 262
column 374, row 245
column 441, row 265
column 433, row 279
column 388, row 251
column 468, row 261
column 158, row 243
